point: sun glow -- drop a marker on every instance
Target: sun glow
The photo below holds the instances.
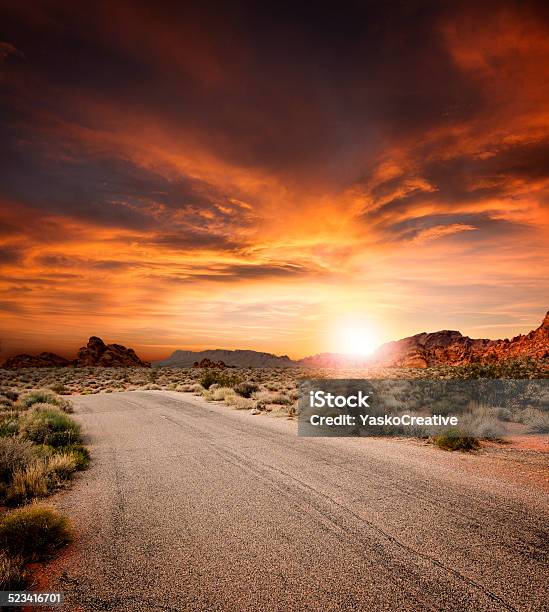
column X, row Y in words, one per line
column 357, row 338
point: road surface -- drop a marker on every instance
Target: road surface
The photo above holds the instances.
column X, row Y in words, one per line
column 194, row 506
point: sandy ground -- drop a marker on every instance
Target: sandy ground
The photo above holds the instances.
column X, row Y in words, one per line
column 190, row 505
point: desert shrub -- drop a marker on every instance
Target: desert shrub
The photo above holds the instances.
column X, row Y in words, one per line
column 5, row 403
column 59, row 388
column 15, row 455
column 44, row 396
column 537, row 421
column 49, row 426
column 240, row 403
column 220, row 393
column 9, row 423
column 245, row 389
column 223, row 379
column 61, row 466
column 455, row 440
column 28, row 483
column 9, row 394
column 513, row 368
column 33, row 532
column 266, row 397
column 79, row 453
column 186, row 388
column 12, row 574
column 483, row 422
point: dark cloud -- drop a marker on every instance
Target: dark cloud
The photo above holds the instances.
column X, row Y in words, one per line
column 190, row 240
column 9, row 255
column 231, row 273
column 306, row 93
column 61, row 261
column 104, row 189
column 486, row 225
column 461, row 179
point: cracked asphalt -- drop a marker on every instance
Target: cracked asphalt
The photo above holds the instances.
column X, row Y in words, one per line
column 191, row 505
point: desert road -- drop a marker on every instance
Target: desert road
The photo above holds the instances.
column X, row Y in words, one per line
column 191, row 505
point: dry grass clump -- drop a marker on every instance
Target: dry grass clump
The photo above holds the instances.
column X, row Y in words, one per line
column 44, row 396
column 29, row 483
column 246, row 389
column 240, row 403
column 33, row 533
column 12, row 572
column 45, row 424
column 268, row 397
column 222, row 393
column 455, row 440
column 536, row 421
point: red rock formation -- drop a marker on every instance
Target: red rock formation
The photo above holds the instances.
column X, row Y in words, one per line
column 43, row 360
column 452, row 348
column 97, row 353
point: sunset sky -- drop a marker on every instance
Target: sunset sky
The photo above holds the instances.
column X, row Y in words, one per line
column 261, row 175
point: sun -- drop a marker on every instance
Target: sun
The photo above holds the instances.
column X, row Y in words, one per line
column 357, row 338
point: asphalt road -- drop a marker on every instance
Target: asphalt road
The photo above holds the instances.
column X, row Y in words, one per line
column 195, row 506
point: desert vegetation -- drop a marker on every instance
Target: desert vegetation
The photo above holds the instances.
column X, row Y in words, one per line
column 259, row 390
column 40, row 449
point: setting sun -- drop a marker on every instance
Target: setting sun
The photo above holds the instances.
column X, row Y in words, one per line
column 357, row 338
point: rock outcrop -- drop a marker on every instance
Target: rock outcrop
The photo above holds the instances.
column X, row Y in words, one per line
column 43, row 360
column 208, row 363
column 97, row 353
column 452, row 348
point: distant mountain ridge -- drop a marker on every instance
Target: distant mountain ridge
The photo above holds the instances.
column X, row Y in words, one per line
column 445, row 347
column 237, row 358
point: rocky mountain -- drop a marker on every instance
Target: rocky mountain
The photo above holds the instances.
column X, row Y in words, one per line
column 97, row 353
column 237, row 358
column 449, row 347
column 43, row 360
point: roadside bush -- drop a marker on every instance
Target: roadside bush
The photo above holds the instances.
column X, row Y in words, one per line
column 223, row 379
column 245, row 389
column 44, row 396
column 483, row 422
column 221, row 393
column 240, row 403
column 28, row 483
column 455, row 440
column 61, row 466
column 537, row 422
column 49, row 426
column 15, row 455
column 79, row 453
column 34, row 532
column 12, row 575
column 266, row 397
